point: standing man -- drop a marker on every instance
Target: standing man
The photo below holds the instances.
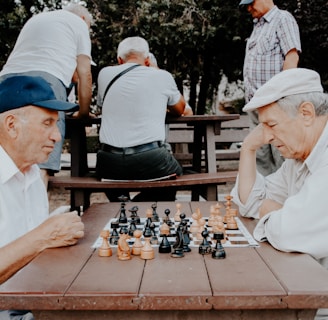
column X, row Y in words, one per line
column 273, row 46
column 53, row 45
column 28, row 133
column 132, row 131
column 291, row 204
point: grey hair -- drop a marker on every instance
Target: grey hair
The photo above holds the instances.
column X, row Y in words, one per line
column 79, row 10
column 291, row 103
column 133, row 45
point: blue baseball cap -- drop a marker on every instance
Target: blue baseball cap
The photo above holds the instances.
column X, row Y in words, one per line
column 245, row 2
column 20, row 91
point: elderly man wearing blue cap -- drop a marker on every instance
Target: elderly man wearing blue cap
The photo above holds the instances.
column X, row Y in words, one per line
column 273, row 46
column 28, row 133
column 291, row 204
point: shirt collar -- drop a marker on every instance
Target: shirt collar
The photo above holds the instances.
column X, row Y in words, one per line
column 315, row 157
column 268, row 16
column 8, row 170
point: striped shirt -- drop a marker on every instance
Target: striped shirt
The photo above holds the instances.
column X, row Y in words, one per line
column 273, row 36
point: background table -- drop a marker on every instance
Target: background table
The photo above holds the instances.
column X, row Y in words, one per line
column 206, row 127
column 251, row 283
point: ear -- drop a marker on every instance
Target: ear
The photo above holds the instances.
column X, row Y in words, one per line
column 11, row 125
column 147, row 62
column 307, row 112
column 120, row 60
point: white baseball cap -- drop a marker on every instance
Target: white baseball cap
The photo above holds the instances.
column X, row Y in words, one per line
column 283, row 84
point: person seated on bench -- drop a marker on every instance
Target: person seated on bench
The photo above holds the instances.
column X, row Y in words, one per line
column 132, row 131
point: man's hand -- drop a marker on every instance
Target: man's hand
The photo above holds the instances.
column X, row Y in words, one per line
column 268, row 206
column 61, row 230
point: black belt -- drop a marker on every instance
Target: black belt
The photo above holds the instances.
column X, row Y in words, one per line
column 132, row 150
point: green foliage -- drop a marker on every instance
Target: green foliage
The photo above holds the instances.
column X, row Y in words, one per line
column 196, row 41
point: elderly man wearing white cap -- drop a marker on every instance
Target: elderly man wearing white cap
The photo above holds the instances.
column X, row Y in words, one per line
column 273, row 46
column 291, row 204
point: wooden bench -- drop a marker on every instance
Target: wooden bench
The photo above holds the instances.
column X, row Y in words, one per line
column 232, row 132
column 201, row 184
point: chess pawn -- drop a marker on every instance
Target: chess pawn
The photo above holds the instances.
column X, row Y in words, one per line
column 123, row 249
column 165, row 246
column 211, row 218
column 136, row 248
column 167, row 218
column 201, row 228
column 205, row 246
column 155, row 217
column 105, row 250
column 164, row 229
column 195, row 223
column 147, row 251
column 177, row 214
column 219, row 227
column 218, row 252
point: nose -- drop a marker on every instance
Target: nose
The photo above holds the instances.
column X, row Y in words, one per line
column 55, row 134
column 268, row 135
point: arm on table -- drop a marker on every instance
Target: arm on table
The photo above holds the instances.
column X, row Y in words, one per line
column 57, row 231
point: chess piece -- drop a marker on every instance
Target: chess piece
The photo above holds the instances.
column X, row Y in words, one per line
column 231, row 223
column 218, row 252
column 185, row 235
column 134, row 215
column 149, row 215
column 123, row 218
column 194, row 228
column 178, row 245
column 123, row 249
column 164, row 246
column 178, row 212
column 153, row 239
column 201, row 228
column 114, row 235
column 219, row 227
column 136, row 247
column 105, row 250
column 147, row 251
column 167, row 219
column 164, row 229
column 155, row 217
column 132, row 228
column 205, row 246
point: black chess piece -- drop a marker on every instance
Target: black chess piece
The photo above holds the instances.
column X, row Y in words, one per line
column 147, row 231
column 185, row 235
column 154, row 239
column 165, row 246
column 132, row 228
column 134, row 215
column 114, row 235
column 167, row 218
column 155, row 216
column 205, row 246
column 178, row 245
column 218, row 252
column 123, row 218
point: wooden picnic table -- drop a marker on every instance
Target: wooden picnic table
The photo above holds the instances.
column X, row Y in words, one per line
column 250, row 283
column 206, row 127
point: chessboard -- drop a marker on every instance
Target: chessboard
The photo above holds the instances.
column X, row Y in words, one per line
column 237, row 236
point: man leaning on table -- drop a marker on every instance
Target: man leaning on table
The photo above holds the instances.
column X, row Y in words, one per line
column 28, row 133
column 291, row 204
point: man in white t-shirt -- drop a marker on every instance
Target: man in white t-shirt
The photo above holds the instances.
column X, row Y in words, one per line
column 54, row 45
column 28, row 133
column 132, row 131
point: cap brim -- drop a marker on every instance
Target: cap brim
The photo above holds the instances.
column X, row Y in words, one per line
column 57, row 105
column 245, row 2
